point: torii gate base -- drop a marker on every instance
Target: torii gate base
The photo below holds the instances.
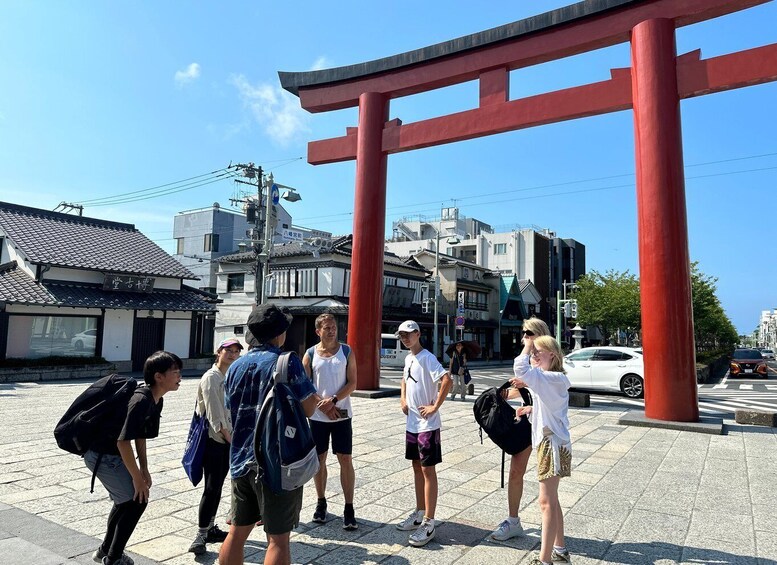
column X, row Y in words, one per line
column 653, row 87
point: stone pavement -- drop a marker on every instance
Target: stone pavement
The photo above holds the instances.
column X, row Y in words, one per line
column 636, row 495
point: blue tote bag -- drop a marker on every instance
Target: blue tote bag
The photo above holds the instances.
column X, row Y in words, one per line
column 194, row 452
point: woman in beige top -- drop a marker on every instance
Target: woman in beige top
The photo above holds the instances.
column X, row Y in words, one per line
column 210, row 403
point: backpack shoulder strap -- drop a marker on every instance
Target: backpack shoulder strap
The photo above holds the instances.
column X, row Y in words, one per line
column 281, row 374
column 311, row 352
column 346, row 351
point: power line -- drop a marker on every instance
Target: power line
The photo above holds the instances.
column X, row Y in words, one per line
column 180, row 188
column 124, row 194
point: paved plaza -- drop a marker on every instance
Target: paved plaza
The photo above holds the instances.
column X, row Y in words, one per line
column 636, row 495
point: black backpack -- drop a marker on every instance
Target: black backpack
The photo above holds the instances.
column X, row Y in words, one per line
column 496, row 417
column 283, row 443
column 96, row 416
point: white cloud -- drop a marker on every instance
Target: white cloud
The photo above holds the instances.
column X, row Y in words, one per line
column 276, row 110
column 321, row 63
column 191, row 73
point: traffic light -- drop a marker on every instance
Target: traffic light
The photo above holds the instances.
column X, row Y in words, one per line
column 425, row 306
column 573, row 310
column 568, row 310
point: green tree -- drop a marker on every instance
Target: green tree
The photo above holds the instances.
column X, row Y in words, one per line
column 712, row 327
column 609, row 301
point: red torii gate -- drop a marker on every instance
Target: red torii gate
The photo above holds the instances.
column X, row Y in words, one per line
column 653, row 86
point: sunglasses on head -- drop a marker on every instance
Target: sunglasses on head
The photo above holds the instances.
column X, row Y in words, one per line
column 528, row 332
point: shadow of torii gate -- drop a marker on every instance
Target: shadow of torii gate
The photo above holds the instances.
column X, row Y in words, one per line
column 653, row 86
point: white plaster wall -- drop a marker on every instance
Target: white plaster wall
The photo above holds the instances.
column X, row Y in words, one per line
column 177, row 334
column 325, row 279
column 51, row 310
column 76, row 275
column 12, row 254
column 117, row 335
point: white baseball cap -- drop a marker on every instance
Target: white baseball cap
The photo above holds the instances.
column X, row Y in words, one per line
column 408, row 326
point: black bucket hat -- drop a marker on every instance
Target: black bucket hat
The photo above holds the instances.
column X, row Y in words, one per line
column 267, row 321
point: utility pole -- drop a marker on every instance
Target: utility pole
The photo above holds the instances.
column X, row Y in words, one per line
column 253, row 211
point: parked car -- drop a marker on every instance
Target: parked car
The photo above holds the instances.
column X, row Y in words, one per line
column 748, row 362
column 607, row 368
column 767, row 353
column 84, row 340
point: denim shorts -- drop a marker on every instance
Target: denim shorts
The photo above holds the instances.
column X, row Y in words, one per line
column 113, row 474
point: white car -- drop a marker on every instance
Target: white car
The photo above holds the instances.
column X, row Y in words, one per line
column 767, row 353
column 84, row 340
column 607, row 368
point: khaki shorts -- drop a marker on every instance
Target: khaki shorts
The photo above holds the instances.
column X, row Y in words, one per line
column 252, row 502
column 545, row 464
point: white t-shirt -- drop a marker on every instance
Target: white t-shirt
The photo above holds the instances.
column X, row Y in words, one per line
column 421, row 374
column 551, row 401
column 329, row 376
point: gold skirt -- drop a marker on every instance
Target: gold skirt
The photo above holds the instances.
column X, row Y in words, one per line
column 553, row 459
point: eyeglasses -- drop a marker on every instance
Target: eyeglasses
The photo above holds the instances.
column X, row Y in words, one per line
column 528, row 332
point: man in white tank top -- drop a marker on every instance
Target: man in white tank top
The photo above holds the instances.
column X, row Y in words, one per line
column 332, row 367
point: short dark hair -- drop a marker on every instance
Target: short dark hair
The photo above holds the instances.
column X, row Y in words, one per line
column 324, row 317
column 159, row 362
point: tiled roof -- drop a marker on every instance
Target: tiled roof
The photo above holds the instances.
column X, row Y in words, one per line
column 65, row 240
column 17, row 287
column 340, row 247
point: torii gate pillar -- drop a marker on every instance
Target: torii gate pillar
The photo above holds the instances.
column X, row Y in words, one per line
column 664, row 265
column 369, row 221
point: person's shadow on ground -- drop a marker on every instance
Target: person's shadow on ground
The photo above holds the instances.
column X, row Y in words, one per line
column 639, row 553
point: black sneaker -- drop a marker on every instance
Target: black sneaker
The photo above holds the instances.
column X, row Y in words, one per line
column 349, row 519
column 320, row 514
column 198, row 545
column 215, row 535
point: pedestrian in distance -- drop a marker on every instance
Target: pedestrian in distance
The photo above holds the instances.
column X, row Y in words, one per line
column 129, row 482
column 421, row 402
column 511, row 526
column 456, row 370
column 332, row 368
column 550, row 435
column 215, row 462
column 248, row 382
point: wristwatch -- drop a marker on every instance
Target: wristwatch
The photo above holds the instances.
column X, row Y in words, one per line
column 334, row 399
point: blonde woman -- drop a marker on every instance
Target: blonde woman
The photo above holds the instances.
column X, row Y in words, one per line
column 511, row 527
column 540, row 367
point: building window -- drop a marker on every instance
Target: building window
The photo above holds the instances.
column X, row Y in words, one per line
column 179, row 245
column 306, row 282
column 416, row 285
column 347, row 283
column 500, row 249
column 236, row 282
column 32, row 337
column 211, row 242
column 475, row 300
column 282, row 286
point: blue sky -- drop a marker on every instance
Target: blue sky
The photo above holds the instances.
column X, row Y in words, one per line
column 104, row 98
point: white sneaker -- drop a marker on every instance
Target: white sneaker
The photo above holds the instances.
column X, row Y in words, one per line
column 411, row 522
column 507, row 530
column 423, row 535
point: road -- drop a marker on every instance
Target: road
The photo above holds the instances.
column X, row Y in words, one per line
column 720, row 398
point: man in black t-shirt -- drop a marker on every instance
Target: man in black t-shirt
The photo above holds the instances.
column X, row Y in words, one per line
column 127, row 481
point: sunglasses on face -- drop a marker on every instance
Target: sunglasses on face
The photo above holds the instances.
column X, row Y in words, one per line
column 528, row 332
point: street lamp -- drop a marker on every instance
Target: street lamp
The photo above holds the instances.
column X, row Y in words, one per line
column 453, row 240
